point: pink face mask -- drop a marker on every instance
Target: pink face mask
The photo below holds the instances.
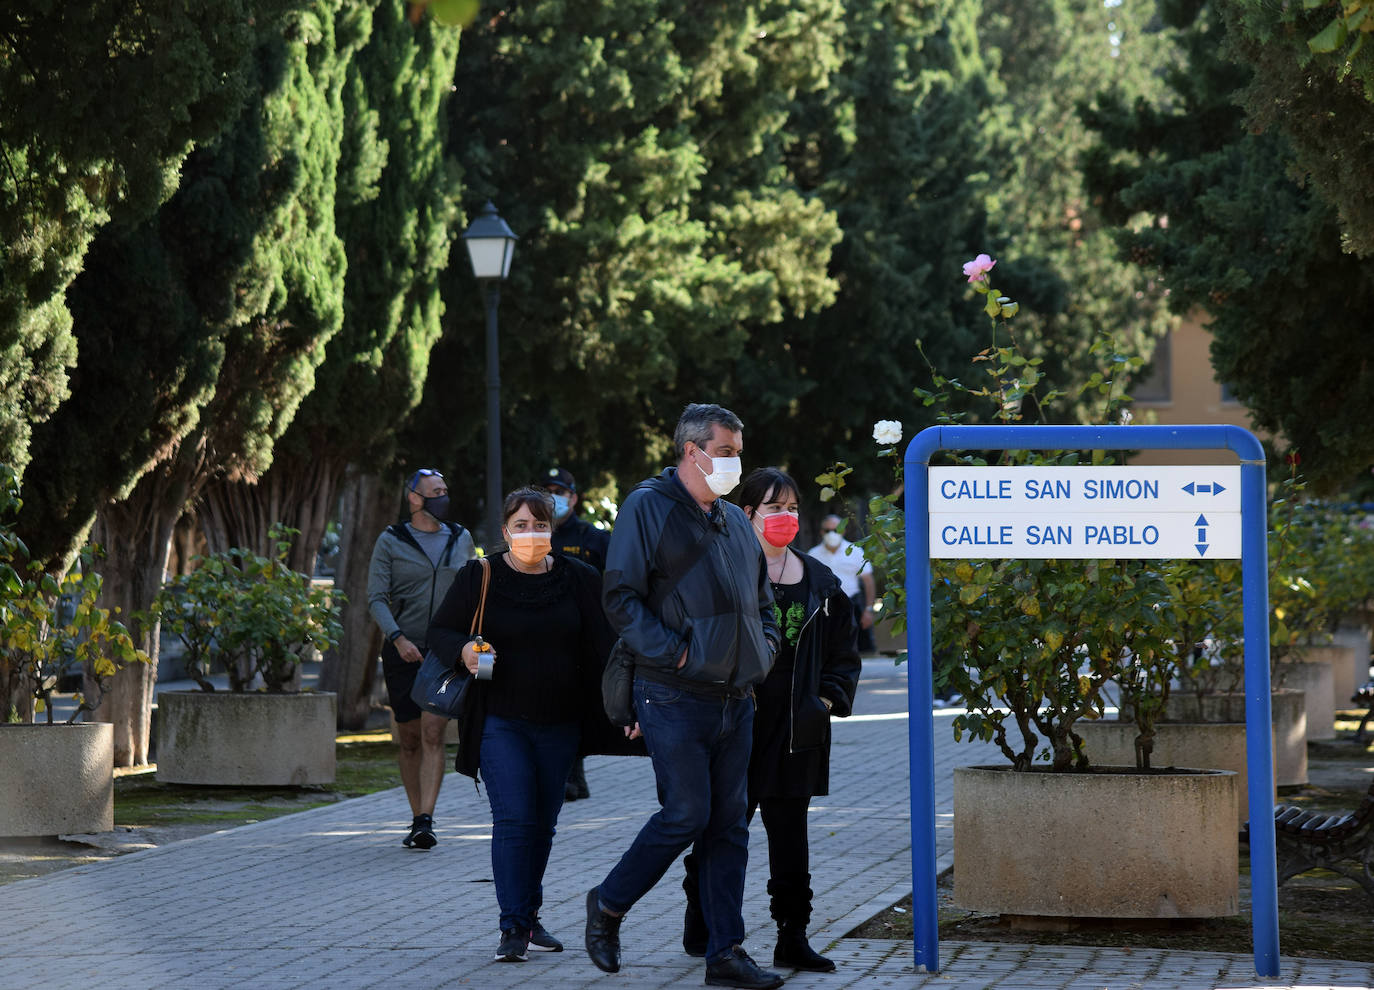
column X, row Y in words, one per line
column 780, row 528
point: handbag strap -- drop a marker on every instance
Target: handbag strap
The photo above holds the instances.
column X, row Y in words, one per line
column 480, row 613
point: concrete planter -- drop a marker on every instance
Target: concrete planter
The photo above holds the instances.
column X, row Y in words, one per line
column 1287, row 708
column 1341, row 659
column 1354, row 634
column 250, row 739
column 1314, row 681
column 1207, row 745
column 1096, row 845
column 56, row 779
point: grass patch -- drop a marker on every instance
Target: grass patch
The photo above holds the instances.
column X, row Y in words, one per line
column 365, row 764
column 1321, row 915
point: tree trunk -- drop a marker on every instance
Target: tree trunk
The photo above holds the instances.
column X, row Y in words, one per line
column 300, row 494
column 349, row 670
column 136, row 535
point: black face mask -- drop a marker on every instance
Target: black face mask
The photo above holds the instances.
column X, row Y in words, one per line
column 437, row 506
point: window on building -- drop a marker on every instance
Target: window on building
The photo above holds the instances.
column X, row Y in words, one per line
column 1156, row 386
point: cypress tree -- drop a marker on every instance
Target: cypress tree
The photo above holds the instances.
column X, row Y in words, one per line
column 99, row 103
column 239, row 285
column 1215, row 209
column 1313, row 82
column 636, row 150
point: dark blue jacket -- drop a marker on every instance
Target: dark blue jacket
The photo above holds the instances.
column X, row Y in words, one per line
column 721, row 610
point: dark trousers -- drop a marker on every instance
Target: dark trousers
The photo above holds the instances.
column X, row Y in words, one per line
column 789, row 859
column 524, row 765
column 867, row 644
column 700, row 748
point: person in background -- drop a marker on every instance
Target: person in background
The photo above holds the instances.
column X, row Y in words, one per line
column 521, row 728
column 687, row 591
column 578, row 538
column 813, row 678
column 855, row 574
column 413, row 564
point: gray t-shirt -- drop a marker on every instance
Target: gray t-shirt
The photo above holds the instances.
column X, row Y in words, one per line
column 431, row 543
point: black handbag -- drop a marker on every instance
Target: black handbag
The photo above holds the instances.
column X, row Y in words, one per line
column 618, row 678
column 440, row 689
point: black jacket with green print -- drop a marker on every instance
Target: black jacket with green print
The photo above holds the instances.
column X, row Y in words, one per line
column 721, row 610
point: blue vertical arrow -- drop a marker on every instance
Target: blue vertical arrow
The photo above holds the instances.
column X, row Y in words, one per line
column 1201, row 544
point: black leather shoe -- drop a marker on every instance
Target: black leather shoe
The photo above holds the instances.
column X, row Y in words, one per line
column 603, row 935
column 738, row 970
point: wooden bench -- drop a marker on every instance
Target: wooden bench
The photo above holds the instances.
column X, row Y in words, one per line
column 1307, row 840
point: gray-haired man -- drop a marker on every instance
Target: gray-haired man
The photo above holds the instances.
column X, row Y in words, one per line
column 687, row 589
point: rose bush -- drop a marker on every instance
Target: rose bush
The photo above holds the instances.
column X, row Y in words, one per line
column 1030, row 645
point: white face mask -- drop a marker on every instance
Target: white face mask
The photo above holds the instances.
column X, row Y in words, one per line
column 724, row 476
column 831, row 539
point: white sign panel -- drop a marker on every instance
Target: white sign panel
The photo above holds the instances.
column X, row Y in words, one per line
column 1156, row 513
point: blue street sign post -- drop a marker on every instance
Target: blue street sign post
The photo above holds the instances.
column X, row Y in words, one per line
column 1202, row 533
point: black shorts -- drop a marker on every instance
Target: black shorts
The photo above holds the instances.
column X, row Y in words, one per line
column 400, row 678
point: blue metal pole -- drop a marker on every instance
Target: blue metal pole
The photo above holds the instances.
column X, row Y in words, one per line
column 921, row 730
column 1255, row 598
column 1259, row 763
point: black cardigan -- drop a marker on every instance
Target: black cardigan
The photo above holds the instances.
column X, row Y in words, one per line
column 448, row 633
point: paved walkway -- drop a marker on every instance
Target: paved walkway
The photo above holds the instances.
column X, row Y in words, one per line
column 328, row 898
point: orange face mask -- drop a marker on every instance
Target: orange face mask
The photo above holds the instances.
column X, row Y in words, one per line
column 530, row 548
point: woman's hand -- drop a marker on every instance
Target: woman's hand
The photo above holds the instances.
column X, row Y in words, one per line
column 469, row 656
column 632, row 731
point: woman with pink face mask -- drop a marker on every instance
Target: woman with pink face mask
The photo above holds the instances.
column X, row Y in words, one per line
column 536, row 702
column 814, row 677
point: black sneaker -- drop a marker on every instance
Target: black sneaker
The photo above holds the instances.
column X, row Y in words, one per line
column 542, row 941
column 409, row 840
column 422, row 833
column 514, row 946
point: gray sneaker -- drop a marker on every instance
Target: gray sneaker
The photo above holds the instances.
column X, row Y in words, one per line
column 514, row 946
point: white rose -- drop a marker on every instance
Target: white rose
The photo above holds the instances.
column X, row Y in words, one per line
column 887, row 432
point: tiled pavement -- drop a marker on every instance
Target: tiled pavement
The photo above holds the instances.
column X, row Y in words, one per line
column 328, row 898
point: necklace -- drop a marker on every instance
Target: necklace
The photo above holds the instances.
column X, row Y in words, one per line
column 782, row 571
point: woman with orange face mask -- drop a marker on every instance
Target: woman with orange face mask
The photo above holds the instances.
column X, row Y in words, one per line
column 536, row 650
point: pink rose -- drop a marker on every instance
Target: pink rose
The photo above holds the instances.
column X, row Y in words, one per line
column 977, row 269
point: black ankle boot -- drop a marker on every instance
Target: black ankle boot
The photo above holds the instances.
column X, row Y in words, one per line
column 794, row 951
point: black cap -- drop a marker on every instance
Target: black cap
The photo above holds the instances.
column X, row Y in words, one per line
column 560, row 477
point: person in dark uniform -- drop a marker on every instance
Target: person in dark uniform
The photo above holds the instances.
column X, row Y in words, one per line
column 574, row 537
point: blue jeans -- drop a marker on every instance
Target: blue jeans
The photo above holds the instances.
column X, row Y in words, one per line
column 700, row 747
column 524, row 765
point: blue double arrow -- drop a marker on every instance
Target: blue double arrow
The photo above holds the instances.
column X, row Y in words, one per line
column 1201, row 525
column 1201, row 488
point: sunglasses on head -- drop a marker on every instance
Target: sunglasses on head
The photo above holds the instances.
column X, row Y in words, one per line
column 422, row 473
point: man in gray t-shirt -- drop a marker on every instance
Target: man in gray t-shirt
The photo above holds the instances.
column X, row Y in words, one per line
column 412, row 567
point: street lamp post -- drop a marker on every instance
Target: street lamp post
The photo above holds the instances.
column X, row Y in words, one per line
column 491, row 245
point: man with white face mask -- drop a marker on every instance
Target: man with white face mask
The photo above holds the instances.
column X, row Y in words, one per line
column 686, row 588
column 855, row 574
